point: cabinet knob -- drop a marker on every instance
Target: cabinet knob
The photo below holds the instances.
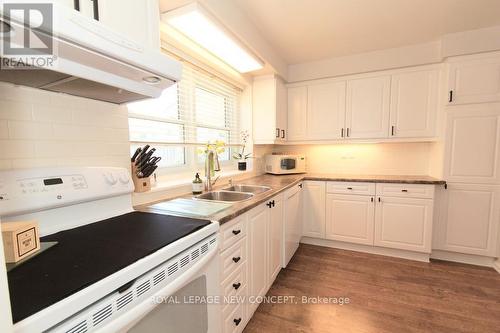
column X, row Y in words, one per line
column 237, row 321
column 277, row 132
column 235, row 232
column 451, row 96
column 404, row 190
column 282, row 133
column 349, row 188
column 300, row 185
column 237, row 285
column 269, row 204
column 236, row 259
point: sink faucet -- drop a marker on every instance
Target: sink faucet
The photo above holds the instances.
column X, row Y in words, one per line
column 211, row 164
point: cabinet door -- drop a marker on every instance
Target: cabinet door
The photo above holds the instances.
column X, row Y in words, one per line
column 275, row 243
column 265, row 128
column 281, row 109
column 474, row 79
column 468, row 219
column 326, row 111
column 313, row 222
column 404, row 223
column 367, row 114
column 350, row 218
column 137, row 20
column 414, row 104
column 292, row 222
column 257, row 223
column 472, row 148
column 297, row 113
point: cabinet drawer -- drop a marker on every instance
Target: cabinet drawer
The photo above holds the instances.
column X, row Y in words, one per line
column 406, row 190
column 234, row 315
column 351, row 188
column 232, row 232
column 233, row 258
column 235, row 282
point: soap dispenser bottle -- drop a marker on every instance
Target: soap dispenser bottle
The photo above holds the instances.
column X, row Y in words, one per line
column 197, row 184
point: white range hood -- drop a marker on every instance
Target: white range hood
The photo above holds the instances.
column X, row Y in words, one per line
column 91, row 61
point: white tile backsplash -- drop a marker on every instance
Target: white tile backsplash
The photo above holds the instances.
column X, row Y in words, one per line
column 43, row 129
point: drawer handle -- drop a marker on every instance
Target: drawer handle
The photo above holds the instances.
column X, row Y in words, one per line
column 237, row 285
column 235, row 232
column 237, row 321
column 404, row 190
column 349, row 188
column 236, row 259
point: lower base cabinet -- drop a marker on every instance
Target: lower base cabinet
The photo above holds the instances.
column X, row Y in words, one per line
column 396, row 216
column 350, row 218
column 251, row 258
column 258, row 220
column 469, row 217
column 404, row 223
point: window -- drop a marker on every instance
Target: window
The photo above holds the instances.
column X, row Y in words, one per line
column 200, row 108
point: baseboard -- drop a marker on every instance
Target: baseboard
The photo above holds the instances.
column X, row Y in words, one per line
column 496, row 265
column 463, row 258
column 424, row 257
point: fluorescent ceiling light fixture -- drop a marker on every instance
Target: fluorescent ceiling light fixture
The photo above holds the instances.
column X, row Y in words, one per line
column 199, row 26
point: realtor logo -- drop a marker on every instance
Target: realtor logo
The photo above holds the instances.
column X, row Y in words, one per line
column 27, row 36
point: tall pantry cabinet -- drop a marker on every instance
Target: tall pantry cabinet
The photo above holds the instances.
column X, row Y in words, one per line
column 470, row 207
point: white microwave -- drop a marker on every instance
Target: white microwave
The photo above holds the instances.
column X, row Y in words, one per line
column 285, row 164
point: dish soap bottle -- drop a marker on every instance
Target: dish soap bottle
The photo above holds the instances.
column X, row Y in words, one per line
column 197, row 184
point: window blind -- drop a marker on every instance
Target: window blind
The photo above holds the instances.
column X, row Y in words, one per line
column 200, row 108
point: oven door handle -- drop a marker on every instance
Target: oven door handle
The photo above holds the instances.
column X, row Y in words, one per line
column 133, row 315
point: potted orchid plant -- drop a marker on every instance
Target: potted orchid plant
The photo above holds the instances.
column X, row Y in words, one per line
column 241, row 156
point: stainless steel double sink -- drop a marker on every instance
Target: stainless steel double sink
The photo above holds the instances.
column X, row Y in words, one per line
column 235, row 193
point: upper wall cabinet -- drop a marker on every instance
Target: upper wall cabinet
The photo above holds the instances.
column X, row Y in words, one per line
column 367, row 113
column 326, row 111
column 474, row 79
column 414, row 97
column 297, row 113
column 391, row 104
column 136, row 20
column 269, row 97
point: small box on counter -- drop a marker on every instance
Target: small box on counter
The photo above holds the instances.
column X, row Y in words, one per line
column 20, row 240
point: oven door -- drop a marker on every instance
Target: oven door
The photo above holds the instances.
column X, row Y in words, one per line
column 182, row 306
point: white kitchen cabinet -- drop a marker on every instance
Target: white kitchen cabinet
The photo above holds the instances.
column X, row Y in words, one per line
column 326, row 111
column 474, row 79
column 469, row 219
column 472, row 149
column 269, row 99
column 138, row 21
column 292, row 222
column 350, row 218
column 297, row 113
column 367, row 107
column 275, row 238
column 258, row 220
column 404, row 223
column 313, row 199
column 414, row 106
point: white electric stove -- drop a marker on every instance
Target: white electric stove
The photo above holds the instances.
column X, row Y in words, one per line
column 87, row 207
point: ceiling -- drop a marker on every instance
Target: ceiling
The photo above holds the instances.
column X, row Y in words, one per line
column 309, row 30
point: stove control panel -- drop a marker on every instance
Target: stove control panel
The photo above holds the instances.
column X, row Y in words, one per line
column 24, row 191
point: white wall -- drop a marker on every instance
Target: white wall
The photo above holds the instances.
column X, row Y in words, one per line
column 461, row 43
column 366, row 159
column 45, row 129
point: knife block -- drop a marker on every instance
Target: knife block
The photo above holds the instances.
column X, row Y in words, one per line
column 140, row 184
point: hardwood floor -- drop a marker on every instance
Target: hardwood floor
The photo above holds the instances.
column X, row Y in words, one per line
column 386, row 295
